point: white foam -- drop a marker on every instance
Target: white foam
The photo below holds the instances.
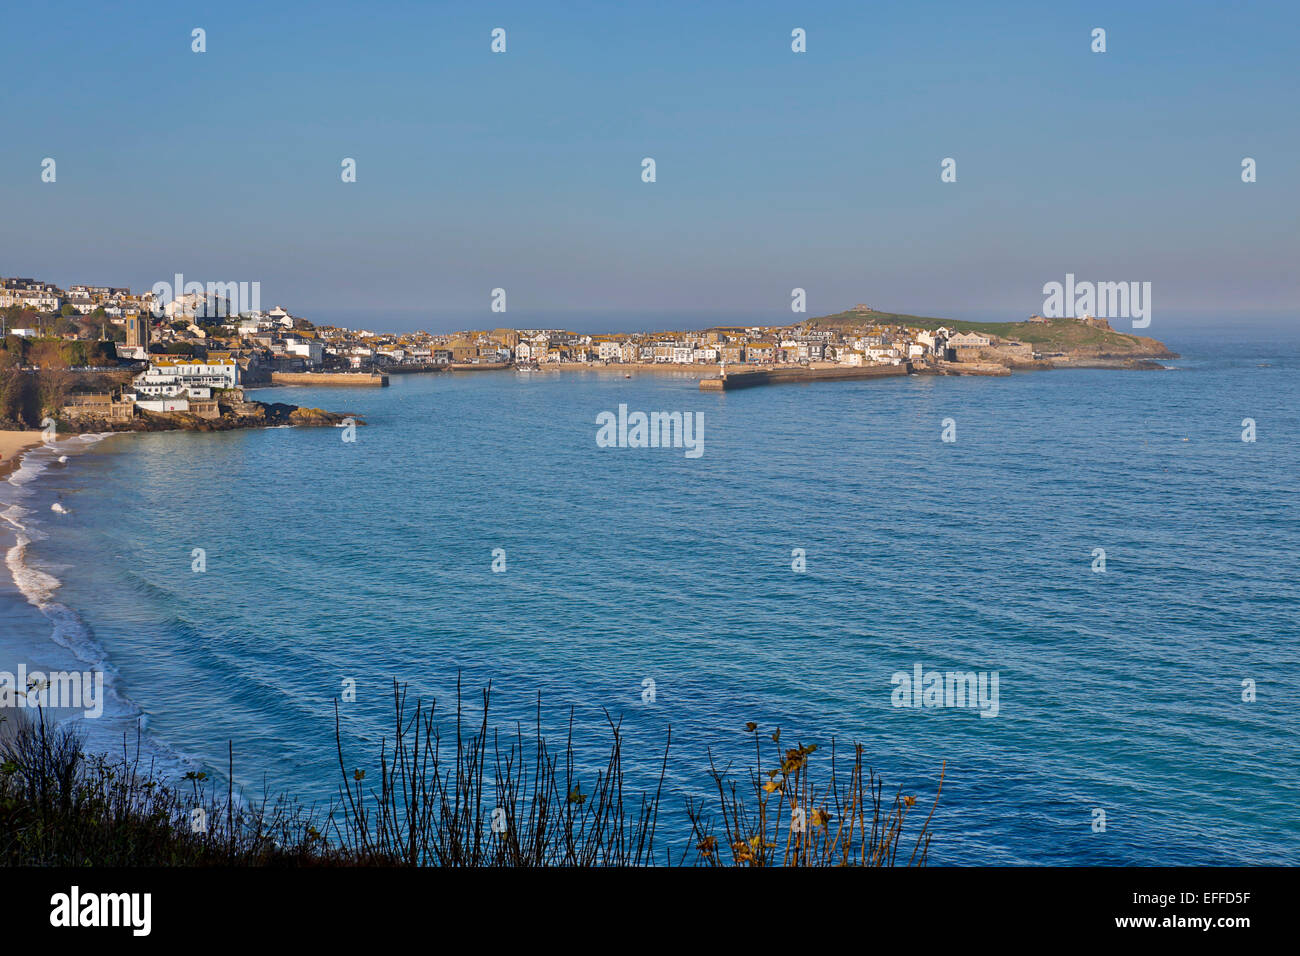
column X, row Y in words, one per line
column 121, row 716
column 29, row 468
column 35, row 585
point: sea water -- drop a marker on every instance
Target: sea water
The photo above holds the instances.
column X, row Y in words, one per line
column 826, row 540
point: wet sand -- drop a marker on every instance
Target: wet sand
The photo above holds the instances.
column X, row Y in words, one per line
column 12, row 446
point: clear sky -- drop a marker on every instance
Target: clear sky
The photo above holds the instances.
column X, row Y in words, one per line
column 775, row 170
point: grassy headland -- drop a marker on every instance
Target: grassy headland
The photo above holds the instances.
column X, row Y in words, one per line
column 1065, row 336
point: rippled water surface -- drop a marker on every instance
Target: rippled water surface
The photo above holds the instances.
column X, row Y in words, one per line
column 329, row 560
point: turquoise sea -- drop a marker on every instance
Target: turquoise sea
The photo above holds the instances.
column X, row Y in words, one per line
column 329, row 560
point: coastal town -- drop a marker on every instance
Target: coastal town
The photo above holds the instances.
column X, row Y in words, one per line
column 194, row 353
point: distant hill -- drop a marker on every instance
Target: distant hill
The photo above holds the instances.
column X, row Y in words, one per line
column 1054, row 335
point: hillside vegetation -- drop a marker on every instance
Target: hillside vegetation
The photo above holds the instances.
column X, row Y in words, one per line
column 1055, row 335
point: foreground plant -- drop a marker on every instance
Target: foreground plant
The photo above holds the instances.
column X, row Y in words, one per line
column 62, row 807
column 468, row 798
column 475, row 801
column 786, row 817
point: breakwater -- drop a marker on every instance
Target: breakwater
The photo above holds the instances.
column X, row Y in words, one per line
column 479, row 366
column 414, row 368
column 329, row 378
column 780, row 376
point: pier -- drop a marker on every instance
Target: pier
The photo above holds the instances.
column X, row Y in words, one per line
column 329, row 378
column 749, row 378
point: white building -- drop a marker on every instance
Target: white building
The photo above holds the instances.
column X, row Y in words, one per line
column 252, row 323
column 163, row 404
column 313, row 350
column 280, row 316
column 39, row 300
column 196, row 305
column 170, row 377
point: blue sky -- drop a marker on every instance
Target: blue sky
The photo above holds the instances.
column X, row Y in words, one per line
column 774, row 170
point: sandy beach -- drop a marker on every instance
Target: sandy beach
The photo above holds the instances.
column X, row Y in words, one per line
column 12, row 445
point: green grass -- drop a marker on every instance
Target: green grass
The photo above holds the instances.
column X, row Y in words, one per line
column 1055, row 335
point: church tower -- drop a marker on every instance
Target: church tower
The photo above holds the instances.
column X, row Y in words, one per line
column 137, row 330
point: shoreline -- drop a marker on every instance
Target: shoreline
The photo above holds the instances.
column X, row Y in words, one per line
column 37, row 628
column 13, row 445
